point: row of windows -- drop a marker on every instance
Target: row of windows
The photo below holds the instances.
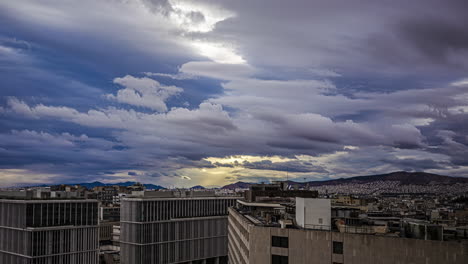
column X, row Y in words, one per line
column 12, row 214
column 49, row 242
column 151, row 211
column 175, row 230
column 61, row 214
column 46, row 242
column 15, row 241
column 277, row 241
column 174, row 252
column 80, row 258
column 48, row 214
column 105, row 231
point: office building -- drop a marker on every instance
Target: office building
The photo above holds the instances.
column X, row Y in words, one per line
column 174, row 227
column 49, row 231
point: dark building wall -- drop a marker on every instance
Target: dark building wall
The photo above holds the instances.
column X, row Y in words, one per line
column 195, row 228
column 106, row 229
column 175, row 251
column 12, row 214
column 110, row 213
column 62, row 214
column 15, row 241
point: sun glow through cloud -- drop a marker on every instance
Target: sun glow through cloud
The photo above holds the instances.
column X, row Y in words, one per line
column 218, row 52
column 245, row 158
column 191, row 17
column 196, row 17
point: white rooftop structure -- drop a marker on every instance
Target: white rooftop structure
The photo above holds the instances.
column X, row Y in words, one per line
column 313, row 213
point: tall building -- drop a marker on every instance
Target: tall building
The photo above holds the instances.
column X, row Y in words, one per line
column 49, row 231
column 179, row 227
column 269, row 232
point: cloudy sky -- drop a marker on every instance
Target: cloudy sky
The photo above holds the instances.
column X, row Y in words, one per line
column 211, row 92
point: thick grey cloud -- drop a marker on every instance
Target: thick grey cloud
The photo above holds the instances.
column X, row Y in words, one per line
column 380, row 37
column 437, row 39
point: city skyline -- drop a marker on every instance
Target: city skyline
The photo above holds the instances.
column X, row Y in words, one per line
column 184, row 93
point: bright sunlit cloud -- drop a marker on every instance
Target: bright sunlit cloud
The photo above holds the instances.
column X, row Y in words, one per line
column 246, row 158
column 462, row 82
column 14, row 177
column 196, row 17
column 218, row 52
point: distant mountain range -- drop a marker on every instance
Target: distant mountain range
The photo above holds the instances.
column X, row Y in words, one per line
column 405, row 178
column 238, row 185
column 91, row 185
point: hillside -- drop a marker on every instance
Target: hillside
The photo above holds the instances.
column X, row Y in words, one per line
column 405, row 178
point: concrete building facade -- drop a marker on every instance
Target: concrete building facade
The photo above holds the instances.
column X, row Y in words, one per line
column 254, row 244
column 174, row 230
column 49, row 231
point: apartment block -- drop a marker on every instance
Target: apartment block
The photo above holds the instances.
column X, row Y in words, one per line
column 252, row 241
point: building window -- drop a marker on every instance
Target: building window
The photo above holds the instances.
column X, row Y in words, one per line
column 277, row 241
column 276, row 259
column 337, row 247
column 320, row 221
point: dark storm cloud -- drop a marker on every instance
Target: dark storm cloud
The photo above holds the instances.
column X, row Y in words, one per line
column 417, row 164
column 289, row 166
column 457, row 151
column 395, row 36
column 437, row 39
column 59, row 153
